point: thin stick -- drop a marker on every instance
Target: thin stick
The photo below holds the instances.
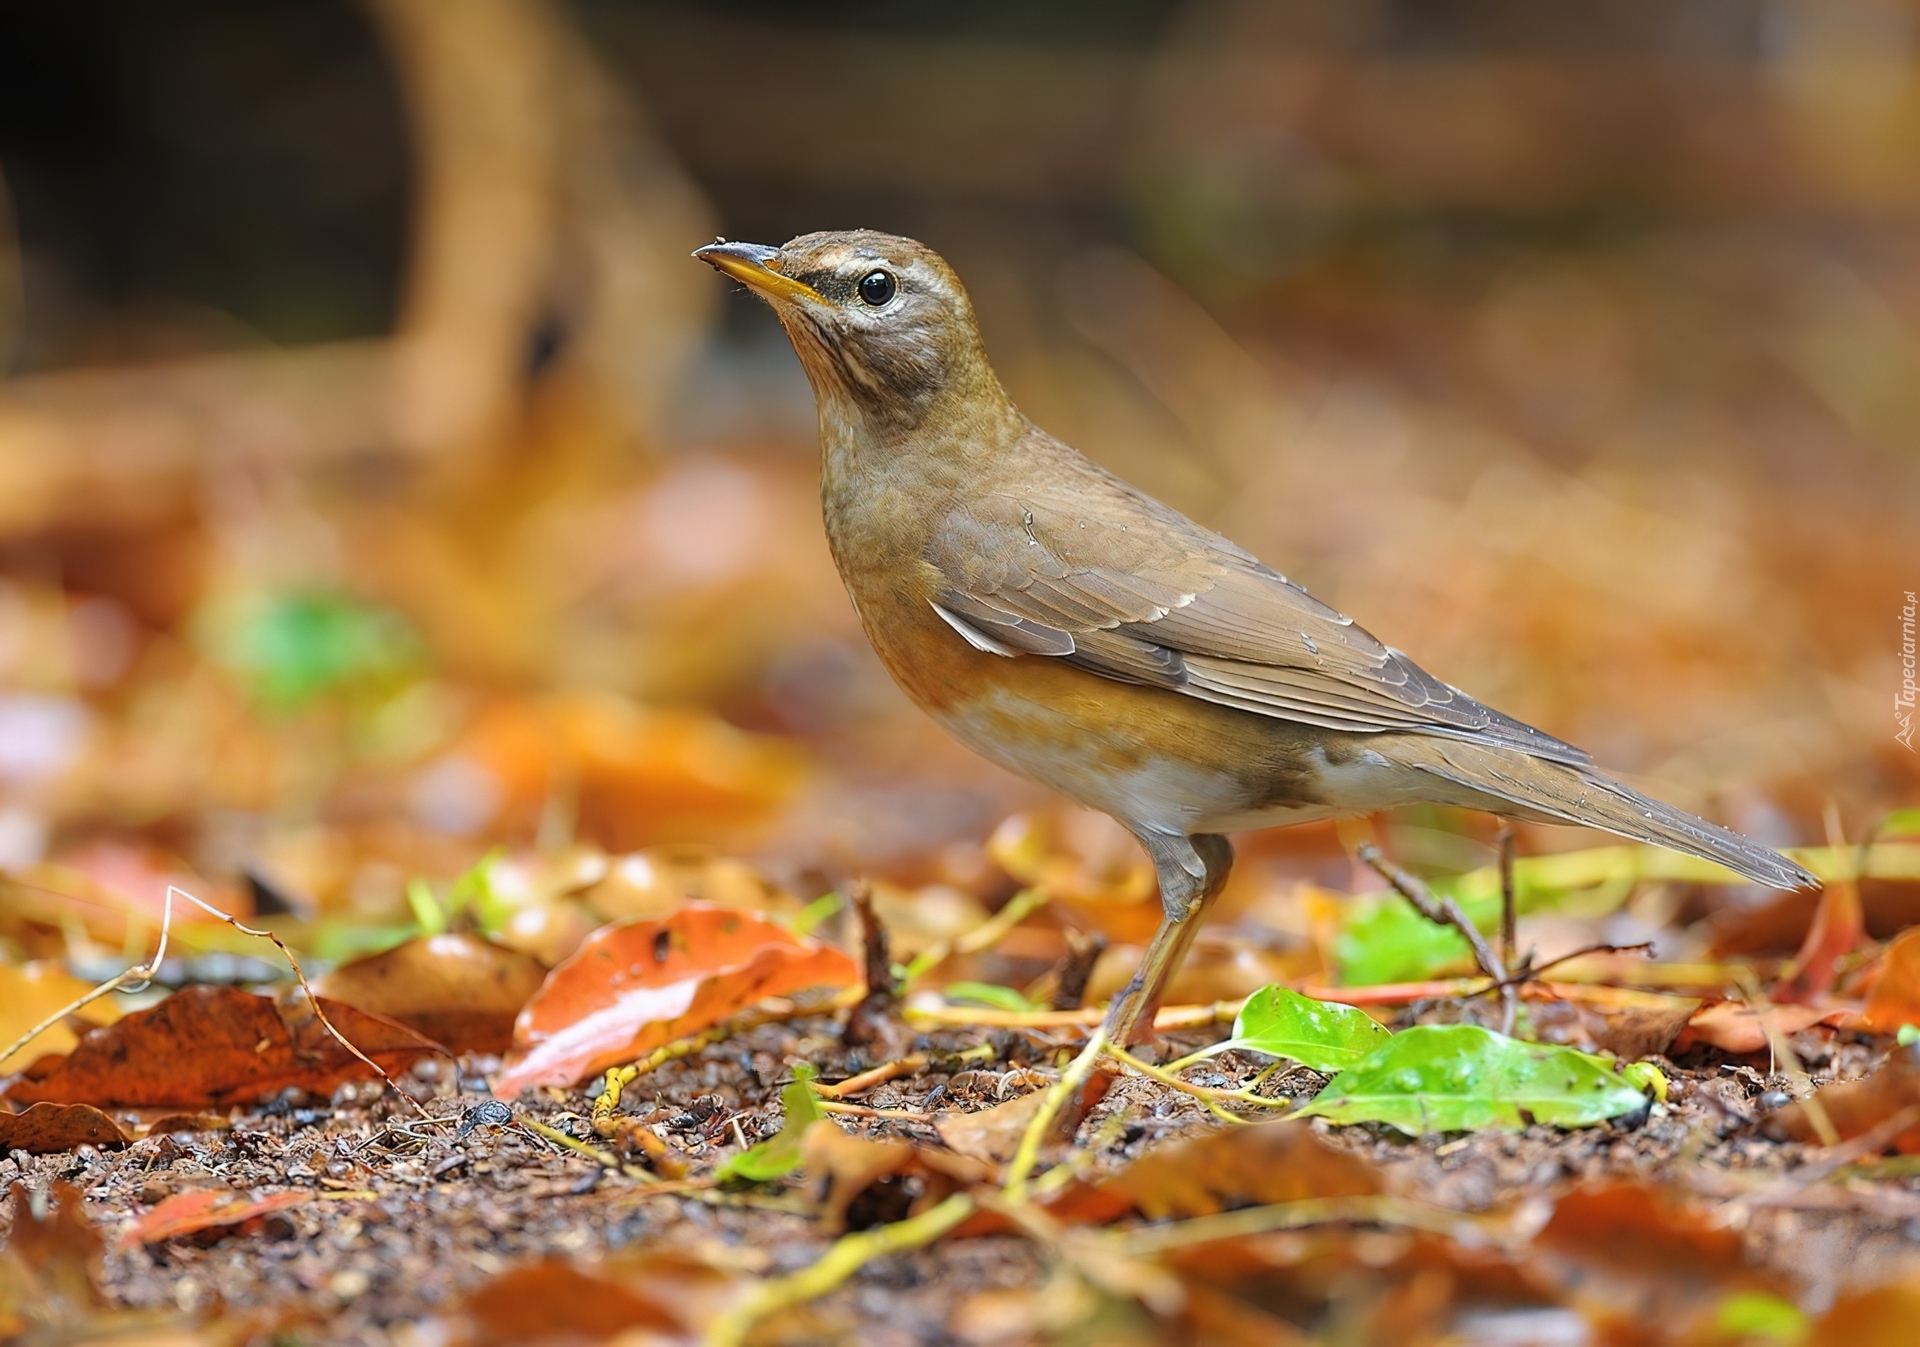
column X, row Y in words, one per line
column 1204, row 1093
column 909, row 1065
column 140, row 973
column 985, row 1017
column 847, row 1256
column 864, row 1021
column 1028, row 1153
column 1444, row 912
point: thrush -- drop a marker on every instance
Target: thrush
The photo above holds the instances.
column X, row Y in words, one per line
column 1068, row 626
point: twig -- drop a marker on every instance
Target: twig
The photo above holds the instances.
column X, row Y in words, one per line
column 1028, row 1152
column 1530, row 971
column 862, row 1111
column 771, row 1011
column 864, row 1021
column 1785, row 1059
column 847, row 1256
column 1445, row 912
column 909, row 1065
column 1206, row 1094
column 985, row 1017
column 1083, row 952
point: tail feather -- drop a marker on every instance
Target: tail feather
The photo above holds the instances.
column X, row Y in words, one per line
column 1581, row 795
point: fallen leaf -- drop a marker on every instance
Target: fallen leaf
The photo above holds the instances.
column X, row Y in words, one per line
column 1084, row 859
column 1324, row 1035
column 852, row 1166
column 1837, row 930
column 203, row 1209
column 1635, row 1255
column 1883, row 1317
column 1243, row 1166
column 1626, row 1023
column 459, row 990
column 167, row 1124
column 1856, row 1106
column 637, row 985
column 658, row 881
column 117, row 891
column 553, row 1299
column 49, row 1262
column 1460, row 1077
column 46, row 1129
column 779, row 1154
column 219, row 1045
column 991, row 1134
column 1733, row 1027
column 28, row 994
column 1895, row 998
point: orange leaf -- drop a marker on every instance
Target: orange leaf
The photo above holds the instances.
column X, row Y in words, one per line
column 1895, row 999
column 637, row 985
column 184, row 1213
column 216, row 1045
column 1732, row 1027
column 1837, row 930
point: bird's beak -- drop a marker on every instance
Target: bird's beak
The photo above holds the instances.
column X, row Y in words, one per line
column 748, row 264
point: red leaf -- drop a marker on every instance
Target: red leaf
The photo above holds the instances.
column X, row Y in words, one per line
column 215, row 1045
column 637, row 985
column 184, row 1213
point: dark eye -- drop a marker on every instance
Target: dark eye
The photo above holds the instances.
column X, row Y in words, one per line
column 876, row 288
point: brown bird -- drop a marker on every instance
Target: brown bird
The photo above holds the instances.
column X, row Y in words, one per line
column 1071, row 628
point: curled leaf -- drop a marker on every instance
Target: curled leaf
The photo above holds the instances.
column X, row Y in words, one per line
column 1324, row 1035
column 459, row 990
column 637, row 985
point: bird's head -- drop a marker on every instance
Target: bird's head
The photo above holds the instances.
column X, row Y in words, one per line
column 881, row 323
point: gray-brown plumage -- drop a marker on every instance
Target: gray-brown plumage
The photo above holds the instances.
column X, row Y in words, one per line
column 1070, row 627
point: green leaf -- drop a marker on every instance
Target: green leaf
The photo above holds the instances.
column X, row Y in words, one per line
column 1324, row 1035
column 427, row 912
column 779, row 1154
column 1907, row 1034
column 1460, row 1077
column 292, row 648
column 988, row 994
column 814, row 913
column 1755, row 1314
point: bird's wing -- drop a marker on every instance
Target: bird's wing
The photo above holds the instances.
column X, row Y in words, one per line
column 1099, row 574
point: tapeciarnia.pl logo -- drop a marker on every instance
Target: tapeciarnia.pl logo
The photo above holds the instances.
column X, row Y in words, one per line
column 1903, row 700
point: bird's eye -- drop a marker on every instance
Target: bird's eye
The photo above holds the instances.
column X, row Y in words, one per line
column 876, row 288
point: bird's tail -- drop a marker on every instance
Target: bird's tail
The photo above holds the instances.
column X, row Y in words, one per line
column 1570, row 794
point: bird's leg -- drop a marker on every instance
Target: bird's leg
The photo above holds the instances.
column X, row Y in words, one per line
column 1192, row 871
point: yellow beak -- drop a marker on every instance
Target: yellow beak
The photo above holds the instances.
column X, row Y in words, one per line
column 747, row 263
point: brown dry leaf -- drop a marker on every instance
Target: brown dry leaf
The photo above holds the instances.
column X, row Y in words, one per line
column 1629, row 1024
column 49, row 1262
column 203, row 1209
column 31, row 992
column 637, row 985
column 1895, row 998
column 459, row 990
column 1883, row 1317
column 992, row 1134
column 659, row 881
column 1628, row 1253
column 634, row 1296
column 48, row 1128
column 1086, row 859
column 218, row 1045
column 1243, row 1166
column 1736, row 1028
column 852, row 1165
column 1855, row 1106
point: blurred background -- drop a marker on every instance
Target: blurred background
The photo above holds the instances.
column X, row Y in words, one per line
column 381, row 482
